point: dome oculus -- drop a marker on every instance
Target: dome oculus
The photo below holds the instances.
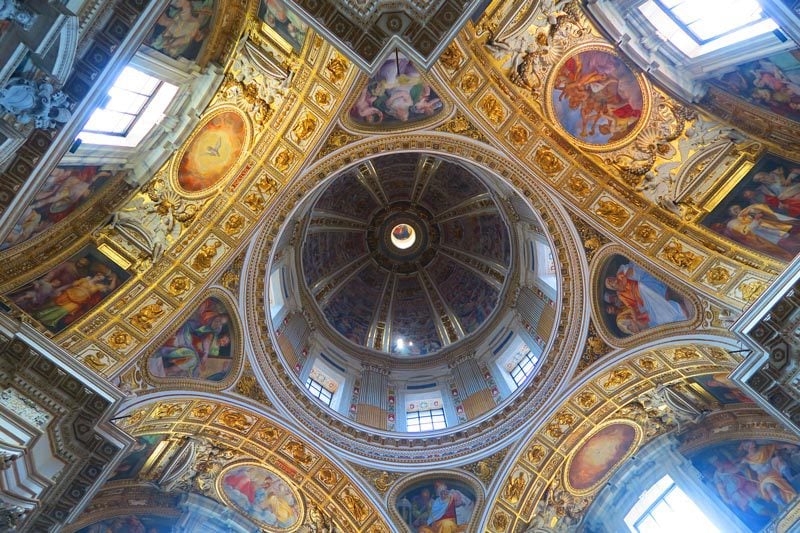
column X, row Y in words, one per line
column 403, row 236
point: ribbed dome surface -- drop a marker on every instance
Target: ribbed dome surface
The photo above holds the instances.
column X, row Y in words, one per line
column 433, row 284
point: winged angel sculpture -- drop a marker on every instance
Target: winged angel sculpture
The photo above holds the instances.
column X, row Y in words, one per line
column 154, row 218
column 530, row 47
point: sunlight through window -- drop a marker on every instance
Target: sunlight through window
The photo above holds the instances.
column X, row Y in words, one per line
column 665, row 508
column 524, row 368
column 318, row 391
column 425, row 420
column 136, row 103
column 697, row 28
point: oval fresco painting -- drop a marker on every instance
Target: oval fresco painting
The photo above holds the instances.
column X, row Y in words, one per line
column 396, row 95
column 437, row 505
column 213, row 152
column 596, row 98
column 632, row 300
column 262, row 495
column 599, row 455
column 200, row 349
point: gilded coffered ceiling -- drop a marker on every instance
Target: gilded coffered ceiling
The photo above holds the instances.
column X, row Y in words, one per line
column 370, row 32
column 625, row 182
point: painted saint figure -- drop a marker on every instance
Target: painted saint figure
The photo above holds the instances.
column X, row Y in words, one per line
column 284, row 21
column 182, row 28
column 200, row 348
column 756, row 479
column 396, row 95
column 69, row 290
column 772, row 83
column 262, row 495
column 763, row 211
column 596, row 97
column 638, row 301
column 448, row 511
column 437, row 506
column 63, row 192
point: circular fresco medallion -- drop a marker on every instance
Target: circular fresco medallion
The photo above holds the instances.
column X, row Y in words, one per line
column 597, row 99
column 600, row 455
column 213, row 152
column 262, row 495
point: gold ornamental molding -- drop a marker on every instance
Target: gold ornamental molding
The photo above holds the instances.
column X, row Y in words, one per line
column 241, row 436
column 586, row 183
column 106, row 338
column 564, row 342
column 613, row 394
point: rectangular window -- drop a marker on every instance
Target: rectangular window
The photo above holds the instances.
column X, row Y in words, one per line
column 711, row 19
column 429, row 420
column 318, row 391
column 136, row 102
column 524, row 368
column 665, row 508
column 698, row 27
column 132, row 91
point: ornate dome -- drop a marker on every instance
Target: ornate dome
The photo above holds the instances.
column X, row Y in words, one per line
column 406, row 254
column 425, row 248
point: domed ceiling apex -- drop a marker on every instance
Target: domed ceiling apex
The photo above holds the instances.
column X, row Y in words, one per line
column 406, row 254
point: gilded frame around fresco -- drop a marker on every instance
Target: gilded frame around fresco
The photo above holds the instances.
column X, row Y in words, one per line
column 175, row 163
column 634, row 447
column 257, row 24
column 726, row 183
column 105, row 248
column 223, row 497
column 237, row 351
column 90, row 210
column 406, row 483
column 644, row 88
column 595, row 268
column 442, row 116
column 743, row 169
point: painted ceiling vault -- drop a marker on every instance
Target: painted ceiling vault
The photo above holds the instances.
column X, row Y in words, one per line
column 453, row 289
